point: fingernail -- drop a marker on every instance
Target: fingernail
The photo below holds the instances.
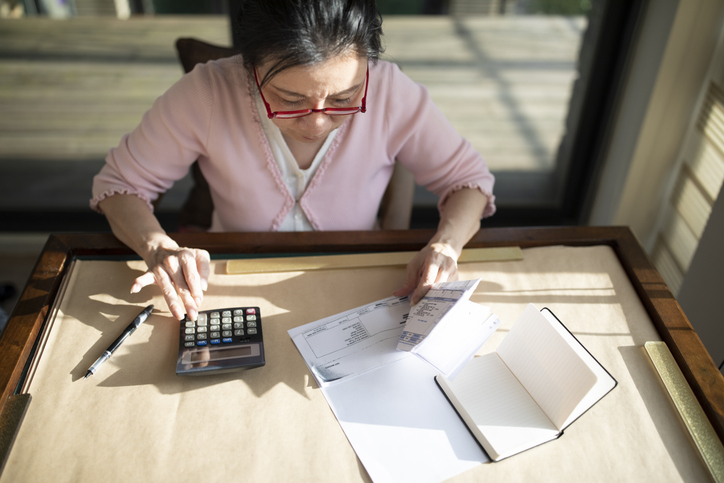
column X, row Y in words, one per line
column 204, row 285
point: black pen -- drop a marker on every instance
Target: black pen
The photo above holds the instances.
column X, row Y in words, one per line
column 116, row 343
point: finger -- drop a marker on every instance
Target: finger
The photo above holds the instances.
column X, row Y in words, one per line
column 448, row 270
column 169, row 292
column 411, row 277
column 419, row 293
column 410, row 282
column 203, row 265
column 451, row 274
column 143, row 281
column 191, row 275
column 429, row 276
column 174, row 268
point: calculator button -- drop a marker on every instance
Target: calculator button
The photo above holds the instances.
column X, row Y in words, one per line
column 251, row 317
column 189, row 337
column 226, row 313
column 226, row 320
column 215, row 341
column 201, row 342
column 226, row 340
column 215, row 335
column 215, row 315
column 201, row 336
column 226, row 333
column 202, row 322
column 251, row 331
column 190, row 323
column 239, row 325
column 238, row 312
column 201, row 318
column 250, row 311
column 189, row 344
column 201, row 329
column 215, row 327
column 251, row 324
column 239, row 332
column 238, row 318
column 226, row 327
column 189, row 330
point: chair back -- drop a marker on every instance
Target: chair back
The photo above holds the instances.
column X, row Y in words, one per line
column 193, row 51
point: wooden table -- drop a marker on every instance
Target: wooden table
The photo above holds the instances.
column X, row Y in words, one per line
column 30, row 314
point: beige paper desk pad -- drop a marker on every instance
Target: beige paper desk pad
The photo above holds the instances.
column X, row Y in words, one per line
column 135, row 420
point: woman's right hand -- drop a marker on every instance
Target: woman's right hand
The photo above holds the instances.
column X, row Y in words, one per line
column 182, row 274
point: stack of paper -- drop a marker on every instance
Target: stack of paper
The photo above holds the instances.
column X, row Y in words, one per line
column 446, row 329
column 399, row 423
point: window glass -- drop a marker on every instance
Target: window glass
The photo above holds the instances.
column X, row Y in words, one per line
column 511, row 76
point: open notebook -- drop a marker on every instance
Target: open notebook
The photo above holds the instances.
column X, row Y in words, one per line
column 536, row 384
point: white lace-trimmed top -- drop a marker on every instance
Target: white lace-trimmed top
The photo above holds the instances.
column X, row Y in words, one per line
column 295, row 178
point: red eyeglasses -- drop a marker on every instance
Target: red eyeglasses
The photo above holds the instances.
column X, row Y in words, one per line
column 330, row 111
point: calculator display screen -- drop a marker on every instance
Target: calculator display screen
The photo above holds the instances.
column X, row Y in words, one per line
column 212, row 355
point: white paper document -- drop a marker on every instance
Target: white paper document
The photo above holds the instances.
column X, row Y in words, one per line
column 353, row 342
column 401, row 426
column 432, row 309
column 457, row 338
column 398, row 421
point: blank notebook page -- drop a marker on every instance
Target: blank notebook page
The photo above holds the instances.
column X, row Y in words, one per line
column 501, row 408
column 546, row 365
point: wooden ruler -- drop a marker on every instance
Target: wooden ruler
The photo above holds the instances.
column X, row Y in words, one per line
column 705, row 438
column 362, row 260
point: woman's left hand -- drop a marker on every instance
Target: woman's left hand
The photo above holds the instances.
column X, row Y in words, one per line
column 437, row 262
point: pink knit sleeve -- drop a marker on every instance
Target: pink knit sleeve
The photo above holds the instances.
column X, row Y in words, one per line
column 170, row 137
column 425, row 141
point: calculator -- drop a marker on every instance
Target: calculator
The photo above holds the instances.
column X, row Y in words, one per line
column 221, row 340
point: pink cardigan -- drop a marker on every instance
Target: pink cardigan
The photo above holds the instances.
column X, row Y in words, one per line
column 210, row 114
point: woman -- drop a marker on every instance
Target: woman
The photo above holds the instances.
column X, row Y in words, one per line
column 299, row 132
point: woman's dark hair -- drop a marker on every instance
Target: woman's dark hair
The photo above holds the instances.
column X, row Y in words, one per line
column 306, row 32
